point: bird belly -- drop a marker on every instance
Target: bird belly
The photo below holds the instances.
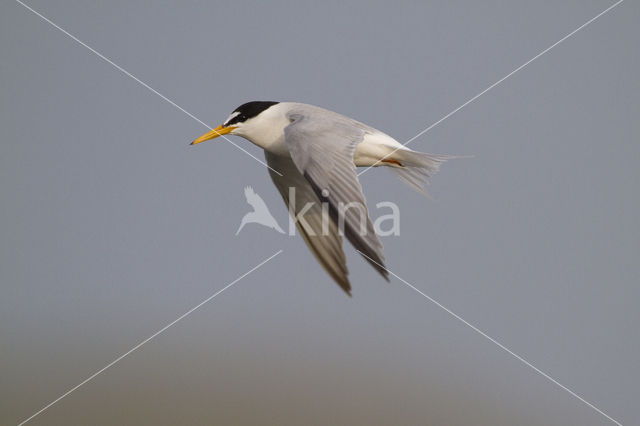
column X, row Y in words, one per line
column 377, row 150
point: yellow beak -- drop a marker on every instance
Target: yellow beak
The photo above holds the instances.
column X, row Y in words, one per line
column 218, row 131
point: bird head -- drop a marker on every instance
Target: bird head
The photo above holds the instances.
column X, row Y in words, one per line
column 242, row 121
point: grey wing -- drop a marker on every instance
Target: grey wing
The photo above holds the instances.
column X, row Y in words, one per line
column 322, row 149
column 325, row 246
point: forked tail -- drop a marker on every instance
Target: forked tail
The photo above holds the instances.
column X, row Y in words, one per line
column 415, row 168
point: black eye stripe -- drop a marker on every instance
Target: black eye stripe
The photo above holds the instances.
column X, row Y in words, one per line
column 249, row 110
column 237, row 119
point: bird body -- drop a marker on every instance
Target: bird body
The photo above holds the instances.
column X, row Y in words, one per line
column 315, row 152
column 266, row 130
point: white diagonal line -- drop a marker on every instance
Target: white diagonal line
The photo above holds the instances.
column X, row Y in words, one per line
column 491, row 339
column 496, row 83
column 148, row 339
column 127, row 73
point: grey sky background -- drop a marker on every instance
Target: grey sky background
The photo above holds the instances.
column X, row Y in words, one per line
column 112, row 226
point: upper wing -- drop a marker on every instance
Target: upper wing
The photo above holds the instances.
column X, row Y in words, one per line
column 323, row 151
column 325, row 246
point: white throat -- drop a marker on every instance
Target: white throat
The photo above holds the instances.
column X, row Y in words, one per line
column 267, row 129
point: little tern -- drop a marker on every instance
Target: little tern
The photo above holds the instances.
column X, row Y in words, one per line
column 315, row 152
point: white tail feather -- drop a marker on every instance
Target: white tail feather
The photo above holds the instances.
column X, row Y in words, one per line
column 417, row 167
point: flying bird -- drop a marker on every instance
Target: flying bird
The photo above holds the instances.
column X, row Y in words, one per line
column 260, row 213
column 312, row 155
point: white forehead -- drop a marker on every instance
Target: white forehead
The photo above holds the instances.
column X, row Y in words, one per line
column 233, row 114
